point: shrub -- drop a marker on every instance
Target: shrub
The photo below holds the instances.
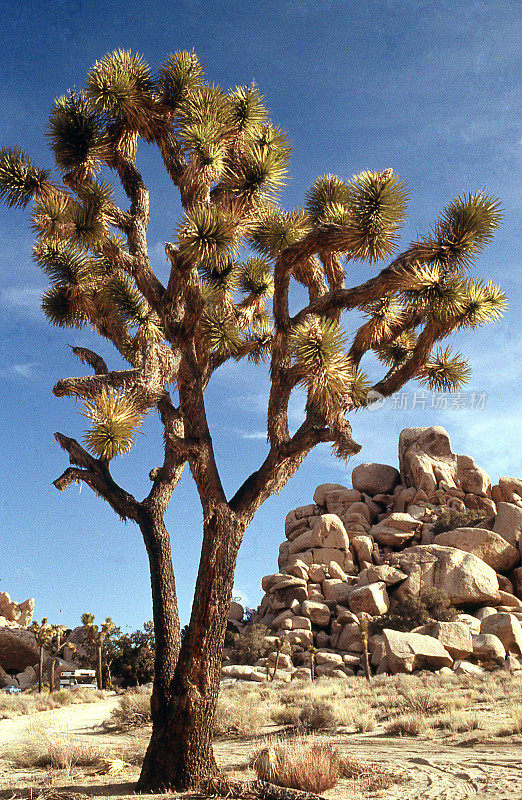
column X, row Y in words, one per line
column 407, row 725
column 48, row 746
column 415, row 611
column 250, row 644
column 132, row 711
column 513, row 724
column 317, row 716
column 449, row 518
column 239, row 715
column 301, row 763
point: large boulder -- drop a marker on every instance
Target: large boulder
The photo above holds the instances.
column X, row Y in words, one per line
column 465, row 578
column 396, row 530
column 454, row 636
column 490, row 547
column 18, row 613
column 408, row 651
column 375, row 478
column 507, row 628
column 508, row 523
column 18, row 649
column 372, row 599
column 488, row 647
column 426, row 461
column 318, row 613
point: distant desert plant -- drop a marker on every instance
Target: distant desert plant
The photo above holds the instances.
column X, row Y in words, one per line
column 318, row 716
column 304, row 763
column 371, row 776
column 449, row 518
column 407, row 725
column 513, row 724
column 15, row 705
column 250, row 644
column 132, row 711
column 46, row 745
column 240, row 714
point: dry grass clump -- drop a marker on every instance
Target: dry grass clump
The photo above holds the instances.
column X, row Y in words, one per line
column 407, row 725
column 373, row 777
column 47, row 746
column 513, row 725
column 304, row 763
column 16, row 705
column 457, row 722
column 318, row 716
column 239, row 713
column 132, row 711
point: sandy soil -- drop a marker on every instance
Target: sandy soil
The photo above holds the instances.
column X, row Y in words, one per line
column 452, row 769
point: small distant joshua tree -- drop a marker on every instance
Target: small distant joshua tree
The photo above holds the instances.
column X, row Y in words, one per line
column 96, row 636
column 233, row 250
column 44, row 634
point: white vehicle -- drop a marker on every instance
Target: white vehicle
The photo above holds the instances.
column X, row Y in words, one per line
column 74, row 679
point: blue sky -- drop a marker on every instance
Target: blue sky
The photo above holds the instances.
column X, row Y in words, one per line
column 426, row 87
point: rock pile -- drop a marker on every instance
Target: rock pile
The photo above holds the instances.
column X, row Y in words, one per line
column 15, row 615
column 357, row 553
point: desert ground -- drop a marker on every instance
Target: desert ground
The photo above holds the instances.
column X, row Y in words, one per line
column 459, row 738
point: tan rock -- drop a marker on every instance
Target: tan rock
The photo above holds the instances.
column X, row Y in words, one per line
column 322, row 490
column 468, row 619
column 510, row 486
column 488, row 647
column 490, row 547
column 18, row 649
column 454, row 636
column 335, row 590
column 510, row 601
column 372, row 599
column 300, row 637
column 329, row 657
column 299, row 570
column 467, row 668
column 318, row 613
column 335, row 571
column 331, row 532
column 243, row 672
column 507, row 628
column 325, row 555
column 375, row 478
column 318, row 572
column 306, row 540
column 466, row 579
column 396, row 530
column 349, row 636
column 408, row 651
column 363, row 546
column 383, row 572
column 471, row 478
column 508, row 523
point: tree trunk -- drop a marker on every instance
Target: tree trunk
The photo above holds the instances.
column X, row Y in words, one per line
column 99, row 676
column 51, row 676
column 40, row 669
column 180, row 754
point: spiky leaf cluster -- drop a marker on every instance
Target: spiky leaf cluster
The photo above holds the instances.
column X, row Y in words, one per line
column 278, row 229
column 207, row 235
column 317, row 348
column 115, row 419
column 258, row 341
column 445, row 372
column 256, row 277
column 180, row 74
column 121, row 293
column 219, row 333
column 431, row 291
column 50, row 215
column 466, row 226
column 393, row 353
column 20, row 178
column 480, row 303
column 61, row 307
column 358, row 389
column 120, row 85
column 222, row 275
column 65, row 264
column 258, row 173
column 271, row 138
column 76, row 136
column 383, row 314
column 377, row 208
column 248, row 112
column 324, row 199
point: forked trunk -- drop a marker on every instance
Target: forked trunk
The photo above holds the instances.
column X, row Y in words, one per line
column 180, row 753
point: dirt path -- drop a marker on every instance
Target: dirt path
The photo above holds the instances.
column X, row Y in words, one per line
column 437, row 771
column 81, row 719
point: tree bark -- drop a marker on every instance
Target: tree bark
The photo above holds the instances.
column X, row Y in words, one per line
column 180, row 754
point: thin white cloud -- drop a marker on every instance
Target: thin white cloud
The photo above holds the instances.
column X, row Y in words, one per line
column 260, row 435
column 13, row 371
column 23, row 300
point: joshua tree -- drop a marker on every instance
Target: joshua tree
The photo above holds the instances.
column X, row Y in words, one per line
column 97, row 637
column 233, row 249
column 44, row 634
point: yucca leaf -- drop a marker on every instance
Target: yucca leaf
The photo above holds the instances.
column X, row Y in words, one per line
column 180, row 74
column 481, row 303
column 431, row 291
column 327, row 196
column 49, row 215
column 76, row 136
column 87, row 227
column 272, row 139
column 258, row 173
column 207, row 235
column 97, row 195
column 445, row 372
column 256, row 277
column 222, row 275
column 258, row 341
column 121, row 292
column 358, row 388
column 20, row 179
column 466, row 226
column 317, row 348
column 115, row 419
column 219, row 333
column 64, row 264
column 278, row 229
column 377, row 207
column 207, row 104
column 61, row 308
column 395, row 352
column 248, row 111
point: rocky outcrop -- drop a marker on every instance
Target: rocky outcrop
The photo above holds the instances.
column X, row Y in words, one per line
column 15, row 615
column 357, row 553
